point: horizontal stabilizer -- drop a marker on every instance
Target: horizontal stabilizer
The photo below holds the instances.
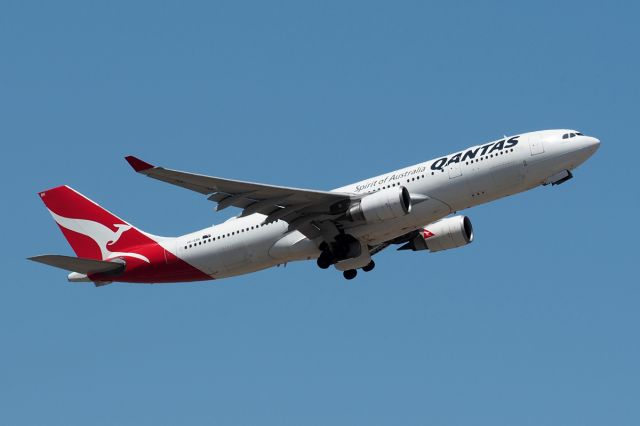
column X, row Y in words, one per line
column 78, row 264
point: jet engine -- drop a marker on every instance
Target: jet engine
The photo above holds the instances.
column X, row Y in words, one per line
column 444, row 234
column 389, row 203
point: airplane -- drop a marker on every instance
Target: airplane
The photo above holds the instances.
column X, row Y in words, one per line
column 344, row 228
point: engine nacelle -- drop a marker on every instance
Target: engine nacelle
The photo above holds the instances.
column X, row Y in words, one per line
column 444, row 234
column 389, row 203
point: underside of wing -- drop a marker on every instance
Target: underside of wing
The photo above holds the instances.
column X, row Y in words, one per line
column 296, row 206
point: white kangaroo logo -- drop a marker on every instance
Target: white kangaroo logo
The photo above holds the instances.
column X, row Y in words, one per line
column 102, row 235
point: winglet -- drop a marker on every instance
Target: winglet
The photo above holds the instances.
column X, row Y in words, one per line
column 137, row 164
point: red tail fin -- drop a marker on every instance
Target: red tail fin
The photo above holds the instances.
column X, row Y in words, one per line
column 92, row 232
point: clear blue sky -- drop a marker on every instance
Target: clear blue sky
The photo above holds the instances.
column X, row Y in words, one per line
column 535, row 323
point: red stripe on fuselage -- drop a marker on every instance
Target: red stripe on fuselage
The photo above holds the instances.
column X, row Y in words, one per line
column 164, row 267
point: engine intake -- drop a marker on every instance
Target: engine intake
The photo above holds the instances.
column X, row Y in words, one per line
column 389, row 203
column 444, row 234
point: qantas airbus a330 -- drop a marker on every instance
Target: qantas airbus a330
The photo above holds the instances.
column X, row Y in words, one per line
column 344, row 227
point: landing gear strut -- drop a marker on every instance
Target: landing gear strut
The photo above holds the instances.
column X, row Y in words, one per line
column 350, row 274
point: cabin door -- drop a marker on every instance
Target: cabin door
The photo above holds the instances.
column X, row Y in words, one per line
column 536, row 145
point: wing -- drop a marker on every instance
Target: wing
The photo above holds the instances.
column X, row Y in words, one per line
column 297, row 207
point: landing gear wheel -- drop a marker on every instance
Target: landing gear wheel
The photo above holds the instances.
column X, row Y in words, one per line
column 369, row 267
column 325, row 260
column 323, row 263
column 350, row 274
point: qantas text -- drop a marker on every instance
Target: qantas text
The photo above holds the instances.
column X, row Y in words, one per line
column 473, row 152
column 440, row 163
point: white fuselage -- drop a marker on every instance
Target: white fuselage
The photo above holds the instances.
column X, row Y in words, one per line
column 438, row 187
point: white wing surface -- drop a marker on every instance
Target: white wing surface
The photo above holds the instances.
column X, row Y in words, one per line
column 298, row 207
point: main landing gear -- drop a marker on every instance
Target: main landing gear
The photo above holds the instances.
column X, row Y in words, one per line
column 350, row 274
column 326, row 259
column 345, row 247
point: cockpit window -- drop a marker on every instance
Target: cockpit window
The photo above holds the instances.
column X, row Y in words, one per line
column 571, row 135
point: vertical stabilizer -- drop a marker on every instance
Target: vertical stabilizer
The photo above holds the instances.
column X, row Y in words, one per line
column 92, row 231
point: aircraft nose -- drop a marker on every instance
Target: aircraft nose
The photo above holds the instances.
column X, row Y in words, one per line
column 593, row 143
